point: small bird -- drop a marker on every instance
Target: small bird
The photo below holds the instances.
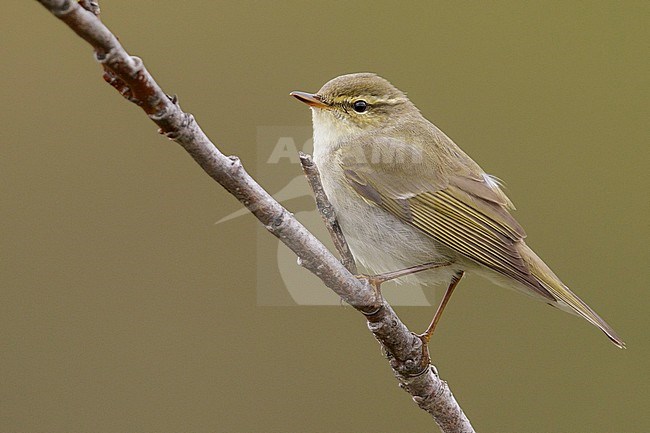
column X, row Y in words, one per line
column 408, row 199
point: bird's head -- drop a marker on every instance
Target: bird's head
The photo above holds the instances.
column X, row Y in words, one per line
column 356, row 103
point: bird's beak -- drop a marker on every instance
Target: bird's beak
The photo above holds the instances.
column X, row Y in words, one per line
column 310, row 99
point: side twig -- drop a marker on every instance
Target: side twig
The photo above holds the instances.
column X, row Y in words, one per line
column 129, row 76
column 327, row 212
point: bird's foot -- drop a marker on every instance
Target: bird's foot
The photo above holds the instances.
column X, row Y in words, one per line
column 377, row 280
column 375, row 283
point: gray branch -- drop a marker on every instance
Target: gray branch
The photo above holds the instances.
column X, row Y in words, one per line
column 404, row 350
column 327, row 212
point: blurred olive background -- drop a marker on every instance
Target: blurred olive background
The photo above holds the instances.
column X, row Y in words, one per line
column 125, row 308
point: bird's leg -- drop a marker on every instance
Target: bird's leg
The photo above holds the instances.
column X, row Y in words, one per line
column 436, row 318
column 377, row 280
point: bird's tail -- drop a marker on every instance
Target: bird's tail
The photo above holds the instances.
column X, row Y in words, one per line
column 565, row 298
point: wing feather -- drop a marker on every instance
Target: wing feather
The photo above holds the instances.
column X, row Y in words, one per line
column 468, row 215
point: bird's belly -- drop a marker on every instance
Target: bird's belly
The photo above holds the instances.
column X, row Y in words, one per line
column 382, row 242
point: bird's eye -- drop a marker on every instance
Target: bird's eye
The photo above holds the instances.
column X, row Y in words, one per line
column 360, row 106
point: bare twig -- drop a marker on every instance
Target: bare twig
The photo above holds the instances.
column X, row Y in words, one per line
column 129, row 76
column 327, row 212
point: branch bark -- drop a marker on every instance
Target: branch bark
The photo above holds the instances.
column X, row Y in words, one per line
column 404, row 350
column 327, row 212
